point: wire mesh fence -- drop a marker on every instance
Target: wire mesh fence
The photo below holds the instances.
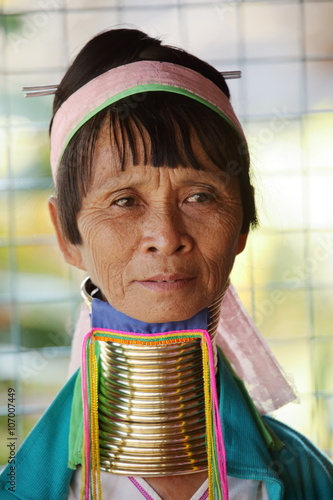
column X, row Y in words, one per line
column 284, row 100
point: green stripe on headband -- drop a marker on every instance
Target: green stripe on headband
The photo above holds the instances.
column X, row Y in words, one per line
column 140, row 89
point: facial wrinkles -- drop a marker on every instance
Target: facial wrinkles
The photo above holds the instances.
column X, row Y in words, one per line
column 157, row 189
column 163, row 203
column 118, row 241
column 163, row 213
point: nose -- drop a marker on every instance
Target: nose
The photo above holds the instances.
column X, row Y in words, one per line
column 165, row 233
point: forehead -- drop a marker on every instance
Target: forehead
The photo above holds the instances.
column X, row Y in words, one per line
column 109, row 173
column 118, row 148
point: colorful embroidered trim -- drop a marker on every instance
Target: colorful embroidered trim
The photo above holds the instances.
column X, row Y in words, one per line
column 146, row 495
column 216, row 457
column 143, row 492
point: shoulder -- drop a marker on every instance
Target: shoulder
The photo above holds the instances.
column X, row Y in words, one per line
column 304, row 470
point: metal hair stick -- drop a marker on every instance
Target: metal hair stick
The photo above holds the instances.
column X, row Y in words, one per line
column 230, row 75
column 40, row 90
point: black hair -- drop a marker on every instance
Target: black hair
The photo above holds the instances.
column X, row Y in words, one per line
column 169, row 120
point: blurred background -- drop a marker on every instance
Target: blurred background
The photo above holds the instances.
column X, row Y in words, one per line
column 285, row 102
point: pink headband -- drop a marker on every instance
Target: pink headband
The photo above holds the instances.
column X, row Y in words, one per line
column 130, row 79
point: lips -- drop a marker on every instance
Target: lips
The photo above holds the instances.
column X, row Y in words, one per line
column 163, row 278
column 167, row 282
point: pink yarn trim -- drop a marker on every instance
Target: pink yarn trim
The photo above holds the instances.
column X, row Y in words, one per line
column 113, row 82
column 204, row 496
column 140, row 488
column 149, row 335
column 220, row 448
column 219, row 441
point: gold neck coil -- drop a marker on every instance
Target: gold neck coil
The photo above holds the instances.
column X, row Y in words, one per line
column 151, row 409
column 151, row 406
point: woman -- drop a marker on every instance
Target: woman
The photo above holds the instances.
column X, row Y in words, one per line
column 154, row 202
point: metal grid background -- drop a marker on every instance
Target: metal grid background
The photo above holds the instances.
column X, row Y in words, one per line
column 284, row 100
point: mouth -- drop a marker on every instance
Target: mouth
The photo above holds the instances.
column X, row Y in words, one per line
column 168, row 278
column 162, row 282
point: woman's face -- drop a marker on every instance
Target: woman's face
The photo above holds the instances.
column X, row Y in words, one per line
column 158, row 242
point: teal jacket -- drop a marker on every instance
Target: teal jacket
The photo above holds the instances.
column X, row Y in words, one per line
column 299, row 471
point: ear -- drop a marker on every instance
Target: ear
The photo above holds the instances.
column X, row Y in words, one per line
column 71, row 252
column 241, row 242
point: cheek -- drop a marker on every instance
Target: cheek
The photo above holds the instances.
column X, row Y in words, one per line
column 220, row 243
column 222, row 231
column 107, row 246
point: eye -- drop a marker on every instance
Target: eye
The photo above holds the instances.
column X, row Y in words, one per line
column 127, row 201
column 199, row 198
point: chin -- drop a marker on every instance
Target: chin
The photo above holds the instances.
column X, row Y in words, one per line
column 165, row 314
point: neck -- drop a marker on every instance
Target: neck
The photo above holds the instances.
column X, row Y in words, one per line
column 151, row 397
